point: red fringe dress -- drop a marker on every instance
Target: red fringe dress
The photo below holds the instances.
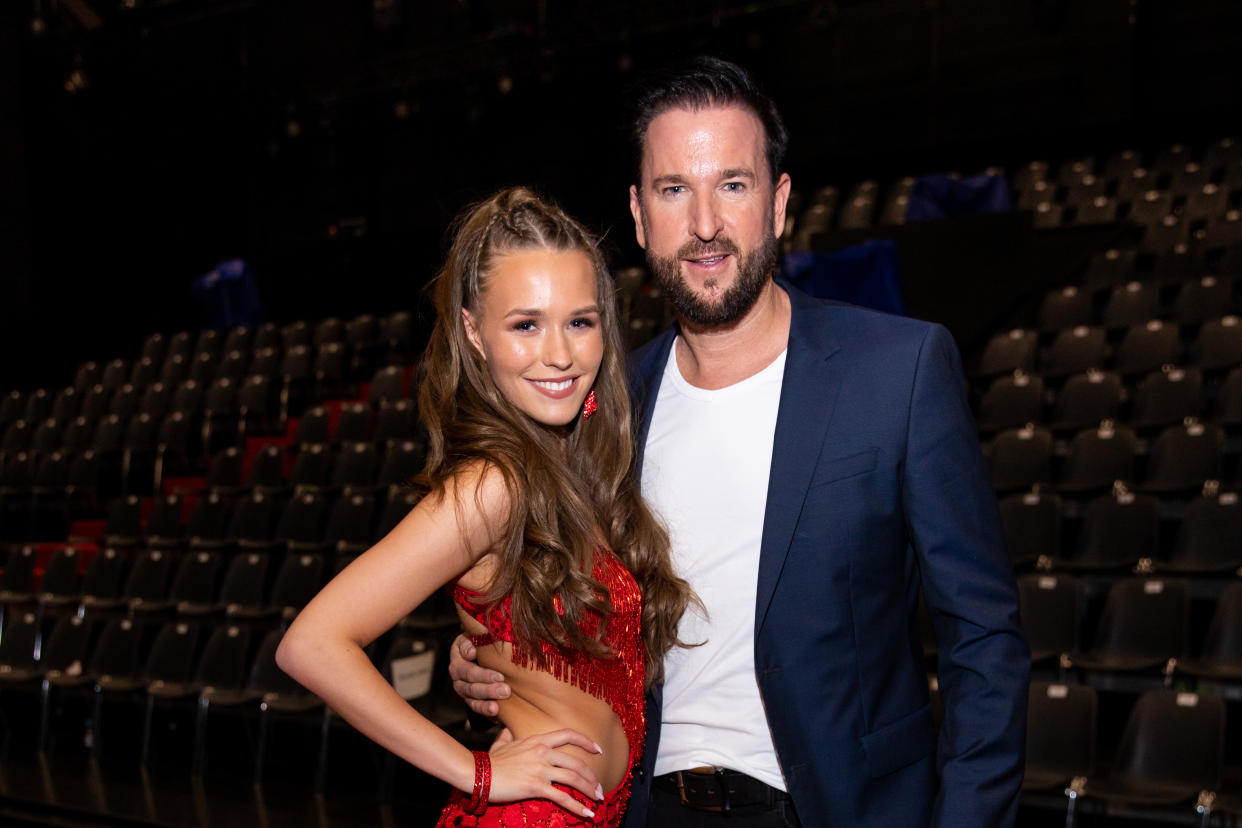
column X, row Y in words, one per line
column 617, row 681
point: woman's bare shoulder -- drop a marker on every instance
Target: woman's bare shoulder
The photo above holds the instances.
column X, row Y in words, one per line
column 477, row 501
column 478, row 490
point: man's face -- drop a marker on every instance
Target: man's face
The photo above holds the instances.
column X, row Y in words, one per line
column 707, row 212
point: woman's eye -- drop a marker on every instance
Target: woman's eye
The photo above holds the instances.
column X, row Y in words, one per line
column 583, row 323
column 524, row 325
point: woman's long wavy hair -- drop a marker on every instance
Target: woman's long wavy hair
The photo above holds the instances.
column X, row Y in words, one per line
column 561, row 499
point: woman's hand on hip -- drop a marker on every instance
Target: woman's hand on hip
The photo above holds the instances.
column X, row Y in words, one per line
column 527, row 769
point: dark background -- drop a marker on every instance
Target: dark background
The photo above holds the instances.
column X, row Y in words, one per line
column 330, row 142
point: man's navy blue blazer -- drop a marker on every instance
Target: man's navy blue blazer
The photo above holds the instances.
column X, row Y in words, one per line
column 877, row 488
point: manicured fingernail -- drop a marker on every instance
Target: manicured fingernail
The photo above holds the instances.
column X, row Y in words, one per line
column 588, row 813
column 599, row 792
column 599, row 749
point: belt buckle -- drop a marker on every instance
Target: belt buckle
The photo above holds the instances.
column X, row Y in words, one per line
column 714, row 771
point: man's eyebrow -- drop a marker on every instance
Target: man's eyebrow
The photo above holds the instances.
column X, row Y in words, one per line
column 665, row 180
column 732, row 172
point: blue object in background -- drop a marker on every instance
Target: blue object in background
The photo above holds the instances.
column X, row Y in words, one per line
column 867, row 274
column 939, row 196
column 229, row 295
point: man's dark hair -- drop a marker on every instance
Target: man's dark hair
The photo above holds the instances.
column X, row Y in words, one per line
column 701, row 83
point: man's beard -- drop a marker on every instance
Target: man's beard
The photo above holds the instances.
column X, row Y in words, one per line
column 753, row 271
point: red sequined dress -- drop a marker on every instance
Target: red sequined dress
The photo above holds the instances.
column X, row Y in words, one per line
column 617, row 680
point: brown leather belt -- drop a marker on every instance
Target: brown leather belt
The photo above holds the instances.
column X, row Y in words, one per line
column 718, row 789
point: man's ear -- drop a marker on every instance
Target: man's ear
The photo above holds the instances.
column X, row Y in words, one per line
column 636, row 210
column 780, row 198
column 472, row 333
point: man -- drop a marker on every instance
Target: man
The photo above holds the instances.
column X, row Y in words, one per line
column 816, row 465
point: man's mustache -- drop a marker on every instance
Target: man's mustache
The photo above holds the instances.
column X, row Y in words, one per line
column 698, row 249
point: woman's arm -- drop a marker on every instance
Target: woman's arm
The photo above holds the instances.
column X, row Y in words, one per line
column 323, row 649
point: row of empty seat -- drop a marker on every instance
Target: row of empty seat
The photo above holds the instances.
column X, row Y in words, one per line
column 83, row 673
column 1175, row 184
column 225, row 410
column 1178, row 462
column 1187, row 302
column 1163, row 166
column 1161, row 230
column 42, row 494
column 254, row 585
column 1161, row 398
column 216, row 422
column 367, row 339
column 1167, row 268
column 300, row 519
column 1214, row 346
column 1122, row 531
column 1143, row 628
column 1168, row 761
column 1193, row 191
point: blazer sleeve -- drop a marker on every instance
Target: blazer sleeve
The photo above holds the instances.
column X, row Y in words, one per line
column 984, row 662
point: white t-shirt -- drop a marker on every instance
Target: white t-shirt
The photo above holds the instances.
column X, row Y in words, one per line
column 705, row 474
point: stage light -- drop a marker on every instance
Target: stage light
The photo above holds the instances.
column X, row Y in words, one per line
column 293, row 128
column 504, row 84
column 401, row 110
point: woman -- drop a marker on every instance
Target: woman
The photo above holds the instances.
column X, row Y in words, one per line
column 561, row 574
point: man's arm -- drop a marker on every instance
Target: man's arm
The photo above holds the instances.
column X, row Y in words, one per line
column 984, row 662
column 478, row 686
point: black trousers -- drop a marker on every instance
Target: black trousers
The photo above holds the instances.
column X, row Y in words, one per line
column 666, row 811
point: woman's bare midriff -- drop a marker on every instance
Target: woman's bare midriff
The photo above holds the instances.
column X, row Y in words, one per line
column 540, row 703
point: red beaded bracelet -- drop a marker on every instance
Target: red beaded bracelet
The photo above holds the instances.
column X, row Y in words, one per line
column 482, row 783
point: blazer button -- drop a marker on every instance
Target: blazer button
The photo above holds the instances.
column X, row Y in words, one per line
column 640, row 774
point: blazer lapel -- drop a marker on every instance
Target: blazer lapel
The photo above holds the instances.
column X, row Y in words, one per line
column 646, row 372
column 808, row 395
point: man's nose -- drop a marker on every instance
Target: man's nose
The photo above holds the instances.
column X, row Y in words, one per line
column 705, row 219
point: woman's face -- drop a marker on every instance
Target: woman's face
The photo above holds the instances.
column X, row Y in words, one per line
column 538, row 328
